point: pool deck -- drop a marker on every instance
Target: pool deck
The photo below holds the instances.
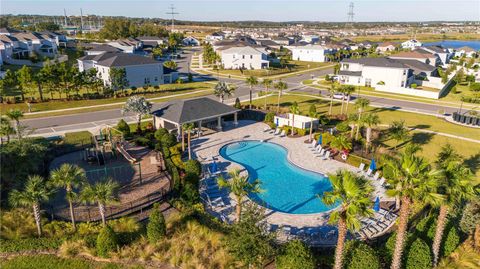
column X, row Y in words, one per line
column 205, row 148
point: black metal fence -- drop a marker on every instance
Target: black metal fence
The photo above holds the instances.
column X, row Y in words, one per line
column 466, row 119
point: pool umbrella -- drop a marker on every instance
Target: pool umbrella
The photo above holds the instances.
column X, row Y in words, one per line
column 320, row 139
column 277, row 122
column 373, row 165
column 213, row 167
column 376, row 205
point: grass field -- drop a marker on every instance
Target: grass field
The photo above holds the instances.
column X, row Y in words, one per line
column 423, row 37
column 295, row 66
column 165, row 90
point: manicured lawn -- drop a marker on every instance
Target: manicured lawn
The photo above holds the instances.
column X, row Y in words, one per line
column 165, row 90
column 54, row 262
column 295, row 66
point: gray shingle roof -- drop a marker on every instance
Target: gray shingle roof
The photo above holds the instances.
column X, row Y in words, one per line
column 350, row 73
column 417, row 65
column 123, row 59
column 191, row 110
column 379, row 62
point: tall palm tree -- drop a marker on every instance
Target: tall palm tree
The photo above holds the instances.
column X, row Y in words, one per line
column 313, row 114
column 34, row 193
column 455, row 184
column 280, row 86
column 222, row 89
column 411, row 179
column 267, row 83
column 102, row 193
column 361, row 104
column 188, row 127
column 332, row 90
column 251, row 82
column 398, row 131
column 69, row 176
column 347, row 91
column 370, row 120
column 15, row 115
column 240, row 187
column 294, row 110
column 341, row 142
column 352, row 192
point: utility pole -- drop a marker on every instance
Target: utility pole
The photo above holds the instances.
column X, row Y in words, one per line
column 350, row 14
column 65, row 16
column 81, row 20
column 173, row 13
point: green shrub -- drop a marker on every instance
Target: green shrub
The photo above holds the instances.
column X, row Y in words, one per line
column 272, row 125
column 419, row 255
column 296, row 255
column 189, row 194
column 160, row 133
column 343, row 127
column 123, row 127
column 425, row 228
column 359, row 255
column 193, row 167
column 451, row 241
column 470, row 217
column 414, row 85
column 168, row 140
column 43, row 243
column 237, row 105
column 52, row 262
column 269, row 117
column 106, row 242
column 156, row 228
column 141, row 141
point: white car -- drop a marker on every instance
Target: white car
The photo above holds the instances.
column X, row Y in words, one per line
column 338, row 95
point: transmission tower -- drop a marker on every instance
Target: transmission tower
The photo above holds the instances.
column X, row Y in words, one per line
column 173, row 13
column 350, row 15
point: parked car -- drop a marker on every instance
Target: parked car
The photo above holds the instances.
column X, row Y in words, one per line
column 338, row 95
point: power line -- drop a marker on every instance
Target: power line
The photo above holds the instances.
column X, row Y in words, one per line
column 350, row 14
column 173, row 13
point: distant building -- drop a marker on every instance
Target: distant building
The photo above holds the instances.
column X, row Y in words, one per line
column 424, row 57
column 386, row 47
column 216, row 36
column 310, row 53
column 20, row 45
column 127, row 45
column 467, row 51
column 244, row 58
column 443, row 54
column 281, row 40
column 411, row 44
column 190, row 41
column 152, row 41
column 96, row 49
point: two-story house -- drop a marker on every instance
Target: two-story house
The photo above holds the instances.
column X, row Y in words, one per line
column 246, row 57
column 311, row 53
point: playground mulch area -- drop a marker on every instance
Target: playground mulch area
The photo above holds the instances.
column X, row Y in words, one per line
column 141, row 183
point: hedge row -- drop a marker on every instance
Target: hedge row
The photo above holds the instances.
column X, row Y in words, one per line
column 42, row 243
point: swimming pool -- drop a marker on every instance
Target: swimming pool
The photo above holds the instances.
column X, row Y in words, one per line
column 286, row 187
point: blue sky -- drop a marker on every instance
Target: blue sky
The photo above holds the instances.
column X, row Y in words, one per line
column 270, row 10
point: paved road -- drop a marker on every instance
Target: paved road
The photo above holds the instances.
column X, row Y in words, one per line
column 91, row 119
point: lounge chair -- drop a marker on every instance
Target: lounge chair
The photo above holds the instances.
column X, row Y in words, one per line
column 327, row 155
column 320, row 153
column 282, row 134
column 376, row 176
column 313, row 144
column 277, row 131
column 361, row 167
column 382, row 181
column 369, row 172
column 317, row 148
column 266, row 129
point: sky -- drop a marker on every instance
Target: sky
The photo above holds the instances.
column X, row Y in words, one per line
column 266, row 10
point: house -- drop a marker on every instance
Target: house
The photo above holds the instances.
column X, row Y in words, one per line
column 58, row 38
column 386, row 47
column 443, row 54
column 190, row 41
column 269, row 44
column 127, row 45
column 216, row 36
column 465, row 51
column 424, row 57
column 310, row 38
column 310, row 53
column 246, row 57
column 411, row 44
column 96, row 49
column 151, row 41
column 140, row 70
column 281, row 40
column 18, row 45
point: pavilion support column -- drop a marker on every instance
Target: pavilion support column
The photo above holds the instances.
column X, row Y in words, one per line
column 235, row 119
column 219, row 123
column 179, row 130
column 199, row 128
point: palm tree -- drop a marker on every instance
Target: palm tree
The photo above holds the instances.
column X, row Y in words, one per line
column 280, row 86
column 361, row 104
column 139, row 106
column 69, row 176
column 341, row 142
column 240, row 187
column 188, row 127
column 411, row 179
column 398, row 131
column 455, row 184
column 222, row 89
column 313, row 114
column 352, row 192
column 347, row 91
column 294, row 110
column 370, row 120
column 102, row 193
column 34, row 193
column 251, row 82
column 332, row 90
column 267, row 83
column 15, row 115
column 5, row 128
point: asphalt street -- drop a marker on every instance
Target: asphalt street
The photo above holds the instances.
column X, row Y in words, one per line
column 81, row 121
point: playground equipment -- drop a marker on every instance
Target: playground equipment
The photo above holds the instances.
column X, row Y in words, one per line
column 107, row 145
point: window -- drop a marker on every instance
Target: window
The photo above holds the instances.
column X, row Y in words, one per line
column 404, row 71
column 403, row 84
column 243, row 56
column 156, row 79
column 251, row 56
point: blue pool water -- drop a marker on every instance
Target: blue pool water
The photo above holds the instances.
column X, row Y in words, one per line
column 474, row 44
column 286, row 187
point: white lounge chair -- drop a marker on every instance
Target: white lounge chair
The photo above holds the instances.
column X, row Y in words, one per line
column 376, row 176
column 327, row 155
column 319, row 153
column 282, row 134
column 266, row 129
column 317, row 148
column 382, row 181
column 277, row 131
column 313, row 144
column 369, row 172
column 361, row 167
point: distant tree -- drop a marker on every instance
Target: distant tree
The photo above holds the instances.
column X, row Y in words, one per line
column 156, row 228
column 46, row 26
column 157, row 52
column 139, row 106
column 295, row 111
